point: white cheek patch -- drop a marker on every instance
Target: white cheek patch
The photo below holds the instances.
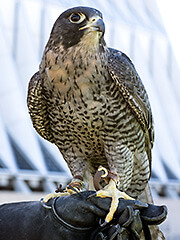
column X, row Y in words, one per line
column 90, row 40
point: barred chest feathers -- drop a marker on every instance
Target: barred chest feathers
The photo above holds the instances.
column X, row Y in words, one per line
column 74, row 85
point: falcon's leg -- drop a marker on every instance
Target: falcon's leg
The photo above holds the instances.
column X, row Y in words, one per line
column 120, row 160
column 111, row 191
column 77, row 167
column 141, row 174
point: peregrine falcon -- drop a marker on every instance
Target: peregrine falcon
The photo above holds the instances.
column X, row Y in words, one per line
column 90, row 102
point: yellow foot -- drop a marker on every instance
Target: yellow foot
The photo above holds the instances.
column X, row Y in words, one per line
column 73, row 187
column 111, row 191
column 54, row 195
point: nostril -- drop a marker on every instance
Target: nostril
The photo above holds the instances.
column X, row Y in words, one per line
column 93, row 19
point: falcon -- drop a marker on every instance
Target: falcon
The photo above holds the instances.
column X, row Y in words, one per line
column 90, row 102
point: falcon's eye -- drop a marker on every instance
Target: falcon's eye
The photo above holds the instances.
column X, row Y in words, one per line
column 77, row 17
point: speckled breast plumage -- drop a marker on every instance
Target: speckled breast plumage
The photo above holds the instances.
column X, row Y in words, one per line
column 90, row 120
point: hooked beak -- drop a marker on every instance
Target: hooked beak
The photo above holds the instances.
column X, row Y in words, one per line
column 95, row 24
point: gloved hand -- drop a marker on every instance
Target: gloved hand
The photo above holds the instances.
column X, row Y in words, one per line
column 77, row 217
column 131, row 218
column 80, row 214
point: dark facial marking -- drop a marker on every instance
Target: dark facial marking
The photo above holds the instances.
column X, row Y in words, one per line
column 66, row 28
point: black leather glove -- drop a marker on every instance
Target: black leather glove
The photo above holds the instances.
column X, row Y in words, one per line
column 80, row 213
column 131, row 218
column 76, row 217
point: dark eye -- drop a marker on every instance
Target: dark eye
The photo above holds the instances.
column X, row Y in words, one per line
column 77, row 17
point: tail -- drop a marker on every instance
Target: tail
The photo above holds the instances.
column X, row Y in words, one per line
column 146, row 196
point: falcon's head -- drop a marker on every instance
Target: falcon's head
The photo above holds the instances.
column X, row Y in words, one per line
column 78, row 25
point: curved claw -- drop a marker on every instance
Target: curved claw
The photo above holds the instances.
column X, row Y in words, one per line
column 77, row 182
column 105, row 174
column 102, row 172
column 104, row 224
column 92, row 195
column 72, row 188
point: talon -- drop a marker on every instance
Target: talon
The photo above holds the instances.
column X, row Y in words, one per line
column 104, row 224
column 109, row 190
column 54, row 195
column 69, row 187
column 102, row 172
column 76, row 185
column 73, row 187
column 101, row 168
column 92, row 195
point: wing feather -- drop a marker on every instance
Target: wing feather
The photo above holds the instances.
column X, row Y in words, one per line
column 123, row 72
column 38, row 108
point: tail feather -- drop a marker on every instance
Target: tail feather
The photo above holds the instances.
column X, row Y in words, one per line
column 146, row 196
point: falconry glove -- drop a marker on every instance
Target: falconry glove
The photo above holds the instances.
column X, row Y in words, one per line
column 81, row 214
column 131, row 218
column 78, row 216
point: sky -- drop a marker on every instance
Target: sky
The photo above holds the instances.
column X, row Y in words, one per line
column 170, row 12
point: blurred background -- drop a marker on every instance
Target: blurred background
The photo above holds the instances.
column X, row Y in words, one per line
column 140, row 28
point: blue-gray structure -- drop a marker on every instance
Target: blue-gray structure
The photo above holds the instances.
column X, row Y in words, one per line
column 29, row 163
